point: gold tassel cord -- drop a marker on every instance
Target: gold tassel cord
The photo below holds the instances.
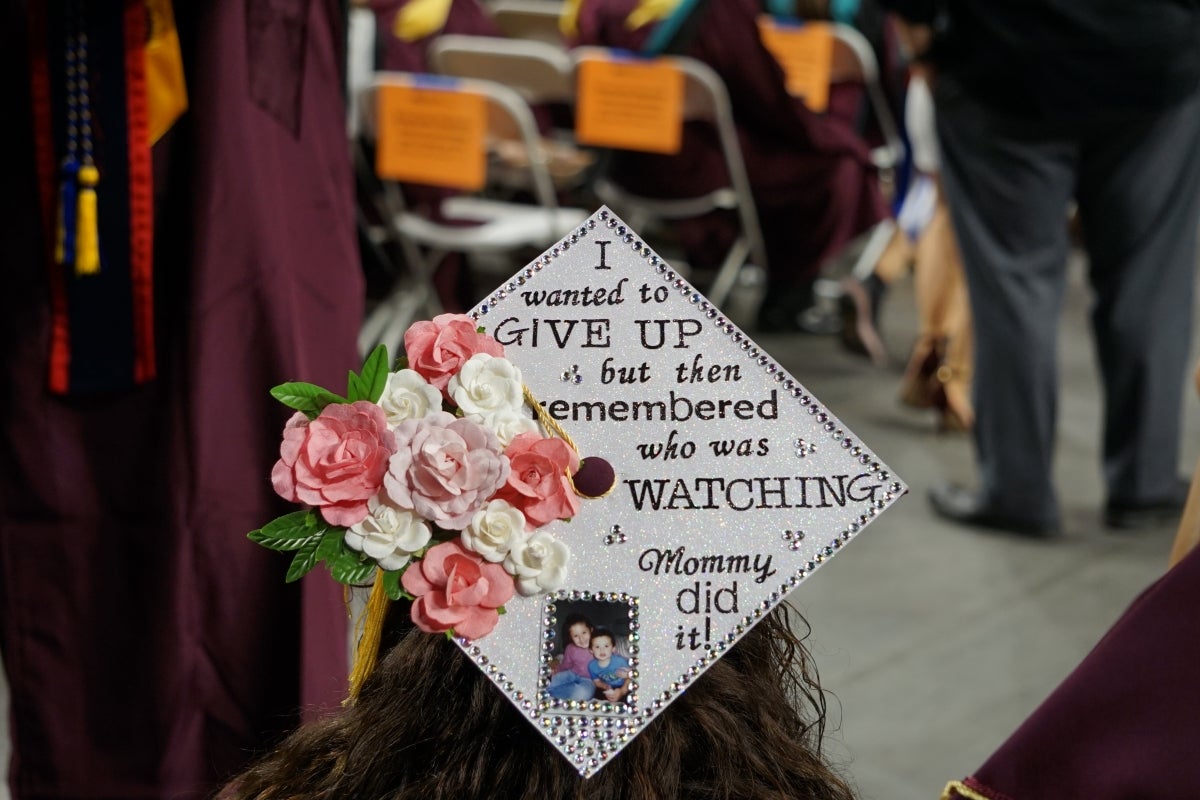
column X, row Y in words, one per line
column 958, row 789
column 547, row 421
column 371, row 623
column 550, row 424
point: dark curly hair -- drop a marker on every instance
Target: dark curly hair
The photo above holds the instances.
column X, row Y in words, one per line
column 429, row 725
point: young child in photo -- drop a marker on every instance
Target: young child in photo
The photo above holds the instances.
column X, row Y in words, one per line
column 571, row 679
column 608, row 669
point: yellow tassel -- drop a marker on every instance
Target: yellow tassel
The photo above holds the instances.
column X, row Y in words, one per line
column 568, row 19
column 963, row 791
column 420, row 19
column 371, row 623
column 166, row 89
column 648, row 11
column 87, row 235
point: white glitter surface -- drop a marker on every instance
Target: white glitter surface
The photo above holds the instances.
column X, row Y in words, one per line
column 743, row 529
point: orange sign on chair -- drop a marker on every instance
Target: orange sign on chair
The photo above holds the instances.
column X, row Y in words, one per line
column 630, row 104
column 431, row 135
column 805, row 51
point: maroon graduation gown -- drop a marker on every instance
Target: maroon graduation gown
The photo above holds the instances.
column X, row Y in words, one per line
column 1126, row 722
column 150, row 648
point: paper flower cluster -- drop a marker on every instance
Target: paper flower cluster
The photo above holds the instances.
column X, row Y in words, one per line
column 435, row 473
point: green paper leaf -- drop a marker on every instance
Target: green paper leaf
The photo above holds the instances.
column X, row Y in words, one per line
column 392, row 585
column 355, row 389
column 333, row 545
column 289, row 532
column 305, row 560
column 401, row 363
column 305, row 397
column 350, row 567
column 375, row 373
column 369, row 385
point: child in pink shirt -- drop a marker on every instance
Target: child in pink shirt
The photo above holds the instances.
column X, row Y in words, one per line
column 571, row 680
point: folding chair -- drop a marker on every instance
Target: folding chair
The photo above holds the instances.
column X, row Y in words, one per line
column 854, row 62
column 705, row 99
column 542, row 74
column 850, row 61
column 471, row 222
column 532, row 20
column 539, row 71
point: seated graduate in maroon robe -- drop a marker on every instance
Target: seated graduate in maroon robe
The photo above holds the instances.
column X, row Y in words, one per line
column 407, row 27
column 811, row 176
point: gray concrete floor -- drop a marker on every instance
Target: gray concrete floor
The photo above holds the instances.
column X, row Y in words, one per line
column 936, row 641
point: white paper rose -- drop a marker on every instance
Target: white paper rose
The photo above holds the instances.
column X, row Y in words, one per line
column 487, row 385
column 408, row 396
column 539, row 563
column 494, row 530
column 388, row 534
column 507, row 424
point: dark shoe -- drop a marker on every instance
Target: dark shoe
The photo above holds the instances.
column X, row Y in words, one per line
column 781, row 308
column 1129, row 514
column 929, row 382
column 774, row 317
column 859, row 306
column 918, row 387
column 965, row 506
column 816, row 320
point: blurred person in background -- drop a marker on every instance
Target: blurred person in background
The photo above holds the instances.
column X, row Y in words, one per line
column 210, row 254
column 811, row 175
column 1040, row 103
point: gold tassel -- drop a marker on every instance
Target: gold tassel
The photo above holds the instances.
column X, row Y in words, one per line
column 420, row 19
column 962, row 790
column 166, row 89
column 649, row 11
column 87, row 235
column 568, row 20
column 367, row 652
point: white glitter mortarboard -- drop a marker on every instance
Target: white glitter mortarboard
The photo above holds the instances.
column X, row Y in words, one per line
column 733, row 483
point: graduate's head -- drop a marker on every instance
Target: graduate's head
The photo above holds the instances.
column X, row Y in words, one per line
column 429, row 724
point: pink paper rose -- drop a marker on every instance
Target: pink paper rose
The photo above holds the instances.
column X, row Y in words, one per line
column 455, row 588
column 436, row 349
column 537, row 483
column 335, row 462
column 445, row 468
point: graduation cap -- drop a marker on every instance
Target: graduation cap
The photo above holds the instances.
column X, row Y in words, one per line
column 595, row 482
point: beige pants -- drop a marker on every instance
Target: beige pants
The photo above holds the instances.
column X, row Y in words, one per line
column 939, row 369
